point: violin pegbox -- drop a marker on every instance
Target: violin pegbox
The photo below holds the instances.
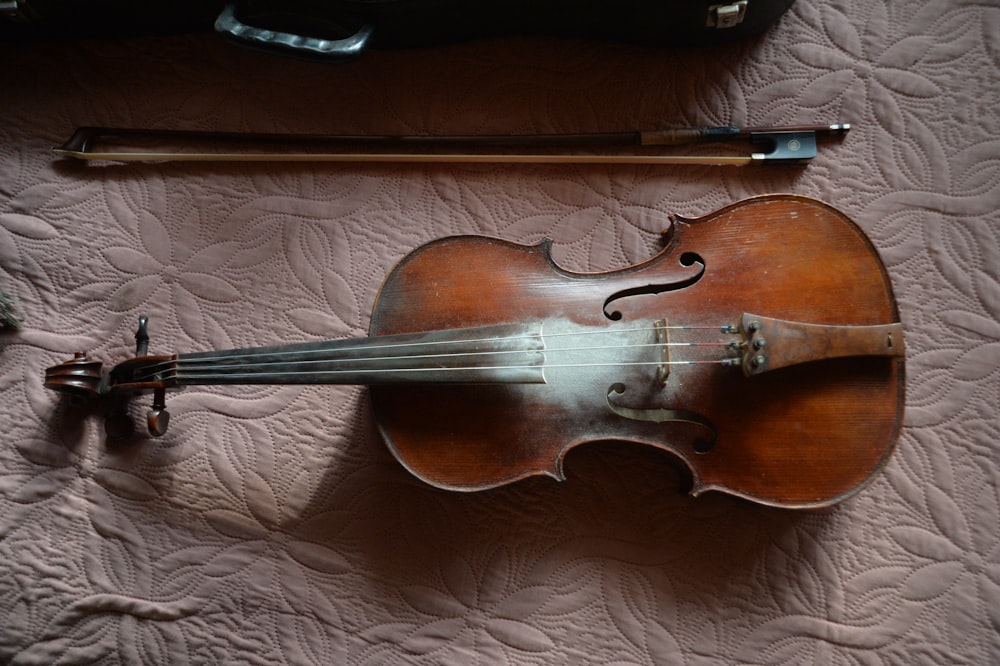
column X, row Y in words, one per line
column 85, row 379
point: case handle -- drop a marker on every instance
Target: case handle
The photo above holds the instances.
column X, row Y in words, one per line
column 341, row 50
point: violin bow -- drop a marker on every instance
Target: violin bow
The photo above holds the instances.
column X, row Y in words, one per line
column 792, row 144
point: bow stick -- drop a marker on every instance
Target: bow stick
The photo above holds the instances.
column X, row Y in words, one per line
column 774, row 144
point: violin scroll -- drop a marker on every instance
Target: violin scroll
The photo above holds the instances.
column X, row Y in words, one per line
column 80, row 377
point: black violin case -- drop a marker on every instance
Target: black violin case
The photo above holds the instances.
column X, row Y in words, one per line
column 344, row 29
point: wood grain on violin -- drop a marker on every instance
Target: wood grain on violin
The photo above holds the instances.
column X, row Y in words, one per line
column 762, row 347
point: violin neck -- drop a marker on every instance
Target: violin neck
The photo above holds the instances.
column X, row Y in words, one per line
column 479, row 355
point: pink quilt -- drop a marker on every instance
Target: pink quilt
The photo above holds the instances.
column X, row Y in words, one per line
column 270, row 525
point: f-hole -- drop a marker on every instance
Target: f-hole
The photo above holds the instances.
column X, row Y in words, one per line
column 703, row 443
column 688, row 260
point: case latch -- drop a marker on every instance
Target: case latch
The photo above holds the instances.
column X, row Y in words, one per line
column 726, row 16
column 8, row 8
column 17, row 10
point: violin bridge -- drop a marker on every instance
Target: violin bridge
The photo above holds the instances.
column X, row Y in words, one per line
column 663, row 369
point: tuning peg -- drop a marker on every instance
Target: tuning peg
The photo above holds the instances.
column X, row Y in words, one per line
column 158, row 417
column 142, row 337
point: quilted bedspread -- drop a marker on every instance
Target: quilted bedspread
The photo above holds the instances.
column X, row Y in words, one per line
column 272, row 525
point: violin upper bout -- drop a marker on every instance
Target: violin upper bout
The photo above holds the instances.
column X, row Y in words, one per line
column 80, row 376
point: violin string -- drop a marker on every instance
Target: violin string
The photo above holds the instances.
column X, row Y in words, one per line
column 151, row 372
column 361, row 359
column 173, row 374
column 193, row 372
column 252, row 354
column 192, row 366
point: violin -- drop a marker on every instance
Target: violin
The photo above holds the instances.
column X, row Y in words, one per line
column 761, row 347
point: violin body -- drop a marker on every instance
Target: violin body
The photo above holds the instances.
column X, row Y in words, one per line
column 807, row 435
